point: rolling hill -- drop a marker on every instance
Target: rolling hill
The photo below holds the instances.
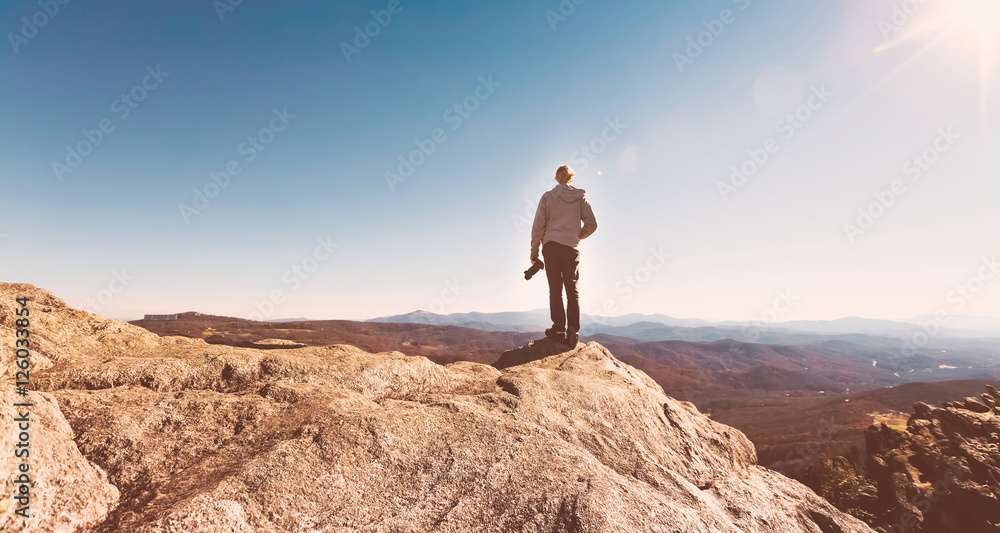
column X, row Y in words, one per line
column 778, row 394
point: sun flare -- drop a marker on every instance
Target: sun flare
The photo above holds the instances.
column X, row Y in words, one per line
column 969, row 28
column 980, row 16
column 980, row 20
column 963, row 23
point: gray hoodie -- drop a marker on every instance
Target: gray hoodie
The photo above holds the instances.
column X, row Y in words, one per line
column 559, row 215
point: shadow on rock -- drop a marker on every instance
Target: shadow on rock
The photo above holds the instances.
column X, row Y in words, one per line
column 163, row 434
column 533, row 351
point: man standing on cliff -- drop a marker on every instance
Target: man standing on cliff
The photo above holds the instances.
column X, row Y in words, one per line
column 561, row 213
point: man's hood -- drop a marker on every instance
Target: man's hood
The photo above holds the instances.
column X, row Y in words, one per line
column 569, row 193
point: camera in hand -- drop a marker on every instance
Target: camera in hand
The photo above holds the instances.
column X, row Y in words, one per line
column 535, row 267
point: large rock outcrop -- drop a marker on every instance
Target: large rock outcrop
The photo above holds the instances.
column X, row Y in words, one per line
column 942, row 473
column 175, row 435
column 66, row 492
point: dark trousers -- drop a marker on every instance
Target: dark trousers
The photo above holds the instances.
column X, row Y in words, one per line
column 562, row 268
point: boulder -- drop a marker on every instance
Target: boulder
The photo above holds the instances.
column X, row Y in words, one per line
column 199, row 437
column 941, row 474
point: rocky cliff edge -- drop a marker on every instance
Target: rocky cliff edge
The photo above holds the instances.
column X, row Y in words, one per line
column 134, row 432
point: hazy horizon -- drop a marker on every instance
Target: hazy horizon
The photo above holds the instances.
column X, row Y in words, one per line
column 758, row 319
column 726, row 176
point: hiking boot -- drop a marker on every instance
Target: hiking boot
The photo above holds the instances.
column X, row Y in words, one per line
column 572, row 339
column 557, row 336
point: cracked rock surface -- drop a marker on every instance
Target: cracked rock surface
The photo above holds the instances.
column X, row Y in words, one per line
column 151, row 434
column 942, row 473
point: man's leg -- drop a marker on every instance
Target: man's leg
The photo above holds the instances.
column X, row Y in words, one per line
column 571, row 278
column 554, row 273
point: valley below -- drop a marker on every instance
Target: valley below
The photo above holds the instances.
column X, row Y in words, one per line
column 202, row 423
column 798, row 403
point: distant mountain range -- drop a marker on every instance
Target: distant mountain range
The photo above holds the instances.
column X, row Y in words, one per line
column 535, row 320
column 657, row 327
column 776, row 389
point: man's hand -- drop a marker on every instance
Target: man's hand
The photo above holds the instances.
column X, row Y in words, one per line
column 533, row 260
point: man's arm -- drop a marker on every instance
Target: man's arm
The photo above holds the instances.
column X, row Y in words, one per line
column 538, row 228
column 589, row 220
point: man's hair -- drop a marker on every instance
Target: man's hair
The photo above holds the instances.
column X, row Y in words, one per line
column 564, row 173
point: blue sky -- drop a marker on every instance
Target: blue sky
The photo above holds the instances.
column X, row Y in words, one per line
column 110, row 236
